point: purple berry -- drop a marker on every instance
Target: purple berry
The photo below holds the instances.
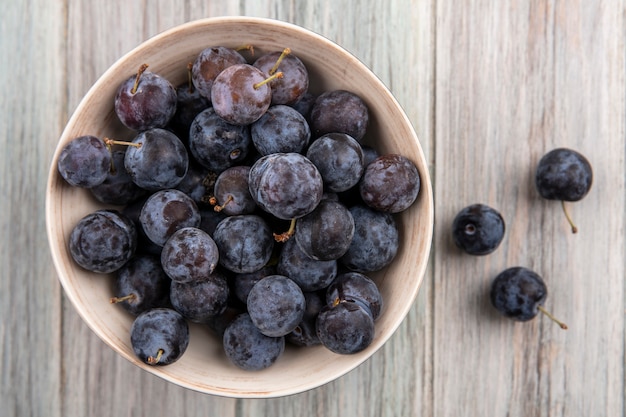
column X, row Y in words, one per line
column 248, row 348
column 209, row 63
column 276, row 305
column 84, row 162
column 240, row 94
column 103, row 241
column 145, row 101
column 390, row 183
column 189, row 255
column 478, row 229
column 159, row 336
column 339, row 111
column 295, row 81
column 286, row 185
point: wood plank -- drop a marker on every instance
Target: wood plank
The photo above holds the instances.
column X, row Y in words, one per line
column 515, row 80
column 32, row 74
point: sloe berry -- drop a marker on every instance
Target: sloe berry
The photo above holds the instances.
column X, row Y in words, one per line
column 478, row 229
column 159, row 336
column 248, row 348
column 103, row 241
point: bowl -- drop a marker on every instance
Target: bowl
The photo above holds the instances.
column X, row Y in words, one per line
column 204, row 367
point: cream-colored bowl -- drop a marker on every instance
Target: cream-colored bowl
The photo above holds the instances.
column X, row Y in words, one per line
column 204, row 367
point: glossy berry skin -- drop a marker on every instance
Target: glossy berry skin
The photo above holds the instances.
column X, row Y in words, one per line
column 209, row 63
column 280, row 129
column 326, row 233
column 563, row 174
column 84, row 162
column 200, row 301
column 217, row 144
column 310, row 274
column 159, row 329
column 369, row 154
column 356, row 286
column 160, row 162
column 295, row 81
column 276, row 305
column 143, row 279
column 189, row 255
column 243, row 283
column 390, row 183
column 151, row 105
column 517, row 292
column 287, row 185
column 232, row 191
column 165, row 212
column 245, row 243
column 305, row 104
column 237, row 95
column 478, row 229
column 340, row 160
column 339, row 111
column 248, row 348
column 103, row 241
column 345, row 327
column 375, row 242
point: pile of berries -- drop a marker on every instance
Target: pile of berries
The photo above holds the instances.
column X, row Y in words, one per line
column 244, row 202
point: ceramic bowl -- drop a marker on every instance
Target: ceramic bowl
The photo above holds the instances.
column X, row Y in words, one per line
column 204, row 367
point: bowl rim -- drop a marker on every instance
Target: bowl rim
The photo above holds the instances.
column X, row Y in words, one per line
column 53, row 230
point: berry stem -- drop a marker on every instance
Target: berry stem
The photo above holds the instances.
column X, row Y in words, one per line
column 246, row 47
column 111, row 142
column 268, row 80
column 282, row 56
column 115, row 300
column 189, row 77
column 218, row 207
column 283, row 237
column 140, row 71
column 569, row 219
column 551, row 317
column 154, row 360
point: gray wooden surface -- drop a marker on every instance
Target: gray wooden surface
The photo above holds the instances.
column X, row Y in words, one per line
column 489, row 85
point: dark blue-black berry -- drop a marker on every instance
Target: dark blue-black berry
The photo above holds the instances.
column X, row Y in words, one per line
column 478, row 229
column 141, row 284
column 519, row 294
column 159, row 336
column 345, row 327
column 564, row 174
column 103, row 241
column 248, row 348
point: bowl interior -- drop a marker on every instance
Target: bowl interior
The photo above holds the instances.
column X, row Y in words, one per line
column 204, row 367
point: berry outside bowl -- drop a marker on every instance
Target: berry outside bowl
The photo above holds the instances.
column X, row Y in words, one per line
column 204, row 367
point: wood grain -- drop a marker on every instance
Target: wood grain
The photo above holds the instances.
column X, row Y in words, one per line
column 490, row 86
column 32, row 112
column 513, row 82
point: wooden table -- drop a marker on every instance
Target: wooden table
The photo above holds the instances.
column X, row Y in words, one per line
column 490, row 86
